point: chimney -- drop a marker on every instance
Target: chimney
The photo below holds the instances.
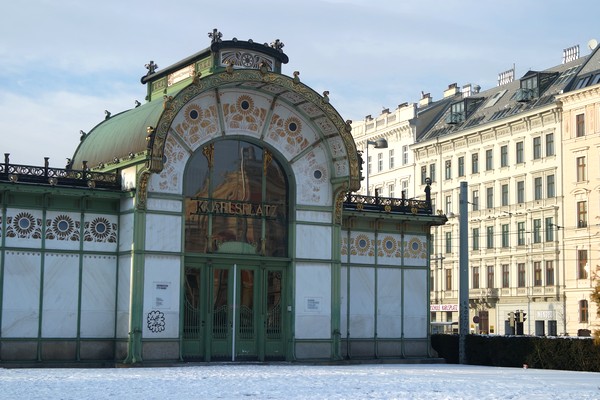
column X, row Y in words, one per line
column 506, row 77
column 570, row 54
column 451, row 91
column 425, row 99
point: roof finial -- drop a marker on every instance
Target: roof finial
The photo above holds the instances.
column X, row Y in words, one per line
column 215, row 36
column 277, row 44
column 151, row 67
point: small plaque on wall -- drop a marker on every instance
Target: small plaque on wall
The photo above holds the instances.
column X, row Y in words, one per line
column 312, row 304
column 162, row 295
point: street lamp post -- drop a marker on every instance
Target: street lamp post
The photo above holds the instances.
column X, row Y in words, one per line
column 380, row 143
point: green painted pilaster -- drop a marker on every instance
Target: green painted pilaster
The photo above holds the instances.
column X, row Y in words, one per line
column 336, row 292
column 136, row 302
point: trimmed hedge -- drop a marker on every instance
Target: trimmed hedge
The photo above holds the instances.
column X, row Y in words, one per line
column 565, row 353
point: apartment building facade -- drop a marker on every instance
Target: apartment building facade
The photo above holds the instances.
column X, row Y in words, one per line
column 511, row 143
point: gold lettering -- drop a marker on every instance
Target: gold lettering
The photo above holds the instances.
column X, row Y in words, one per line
column 259, row 210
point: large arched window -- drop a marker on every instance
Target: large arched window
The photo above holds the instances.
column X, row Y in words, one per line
column 236, row 201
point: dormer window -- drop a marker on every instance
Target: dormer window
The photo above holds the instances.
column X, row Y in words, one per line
column 533, row 84
column 462, row 110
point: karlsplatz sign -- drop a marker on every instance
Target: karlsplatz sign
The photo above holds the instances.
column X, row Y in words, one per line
column 443, row 307
column 236, row 208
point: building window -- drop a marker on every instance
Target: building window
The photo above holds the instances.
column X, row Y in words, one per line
column 461, row 166
column 519, row 151
column 505, row 237
column 504, row 156
column 580, row 125
column 537, row 273
column 520, row 192
column 448, row 170
column 505, row 275
column 580, row 169
column 582, row 261
column 490, row 276
column 489, row 160
column 521, row 274
column 583, row 311
column 369, row 168
column 490, row 237
column 391, row 190
column 521, row 233
column 549, row 144
column 448, row 204
column 379, row 162
column 581, row 214
column 475, row 278
column 549, row 273
column 537, row 228
column 448, row 242
column 404, row 154
column 475, row 163
column 537, row 185
column 448, row 278
column 489, row 197
column 549, row 229
column 537, row 148
column 432, row 172
column 504, row 194
column 475, row 238
column 391, row 159
column 423, row 174
column 475, row 200
column 550, row 190
column 405, row 191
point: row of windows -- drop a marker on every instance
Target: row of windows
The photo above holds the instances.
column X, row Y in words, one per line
column 489, row 159
column 391, row 160
column 536, row 235
column 543, row 274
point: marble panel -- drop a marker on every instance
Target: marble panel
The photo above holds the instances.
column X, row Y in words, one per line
column 127, row 204
column 313, row 301
column 170, row 179
column 313, row 216
column 163, row 232
column 61, row 293
column 344, row 301
column 415, row 303
column 128, row 178
column 23, row 228
column 161, row 296
column 244, row 111
column 360, row 246
column 290, row 133
column 98, row 296
column 63, row 230
column 123, row 296
column 126, row 232
column 415, row 250
column 100, row 232
column 313, row 241
column 362, row 303
column 389, row 303
column 198, row 121
column 163, row 205
column 313, row 178
column 21, row 294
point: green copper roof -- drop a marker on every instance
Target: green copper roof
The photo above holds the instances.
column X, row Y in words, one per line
column 118, row 137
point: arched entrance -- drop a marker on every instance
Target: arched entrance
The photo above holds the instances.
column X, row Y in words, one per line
column 236, row 247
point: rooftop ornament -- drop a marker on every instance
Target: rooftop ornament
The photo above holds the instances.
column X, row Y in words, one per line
column 215, row 36
column 277, row 45
column 151, row 67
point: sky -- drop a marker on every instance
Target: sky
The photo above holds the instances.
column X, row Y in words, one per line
column 63, row 62
column 292, row 382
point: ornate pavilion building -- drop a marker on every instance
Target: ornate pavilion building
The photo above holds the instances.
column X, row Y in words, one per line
column 217, row 221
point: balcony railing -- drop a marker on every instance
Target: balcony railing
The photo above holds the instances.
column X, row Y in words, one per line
column 45, row 175
column 359, row 202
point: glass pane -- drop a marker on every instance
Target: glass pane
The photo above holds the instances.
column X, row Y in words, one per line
column 246, row 328
column 192, row 316
column 273, row 305
column 237, row 171
column 220, row 304
column 196, row 176
column 196, row 227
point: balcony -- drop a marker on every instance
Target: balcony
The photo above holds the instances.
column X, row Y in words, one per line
column 455, row 118
column 524, row 95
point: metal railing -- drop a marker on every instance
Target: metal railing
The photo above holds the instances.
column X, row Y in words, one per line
column 360, row 202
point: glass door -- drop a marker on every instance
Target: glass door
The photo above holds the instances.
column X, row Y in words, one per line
column 275, row 307
column 193, row 314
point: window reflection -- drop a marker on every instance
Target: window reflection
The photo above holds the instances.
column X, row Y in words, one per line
column 238, row 202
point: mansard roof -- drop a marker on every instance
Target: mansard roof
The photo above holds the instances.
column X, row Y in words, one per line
column 505, row 101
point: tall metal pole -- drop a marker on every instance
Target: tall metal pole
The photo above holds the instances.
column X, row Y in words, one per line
column 367, row 153
column 463, row 260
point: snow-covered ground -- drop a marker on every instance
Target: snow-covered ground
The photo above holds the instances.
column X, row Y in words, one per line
column 285, row 381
